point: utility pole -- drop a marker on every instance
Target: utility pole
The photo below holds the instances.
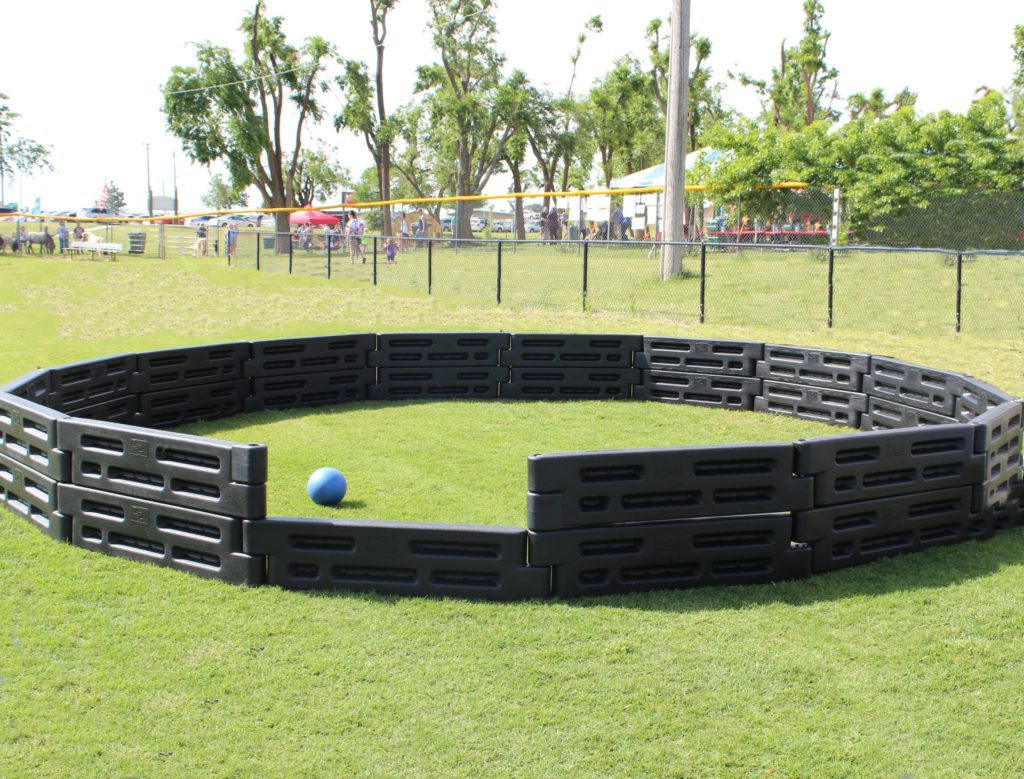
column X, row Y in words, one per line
column 675, row 139
column 149, row 189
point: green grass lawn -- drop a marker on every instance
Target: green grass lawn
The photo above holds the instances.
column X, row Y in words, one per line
column 907, row 667
column 776, row 288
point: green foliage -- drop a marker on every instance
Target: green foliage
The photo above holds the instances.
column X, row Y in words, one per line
column 705, row 95
column 242, row 112
column 319, row 177
column 887, row 165
column 623, row 118
column 222, row 196
column 17, row 154
column 115, row 198
column 1017, row 86
column 803, row 87
column 471, row 105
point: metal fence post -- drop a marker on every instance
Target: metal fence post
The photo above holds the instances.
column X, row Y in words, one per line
column 959, row 288
column 289, row 252
column 831, row 285
column 328, row 257
column 259, row 242
column 375, row 260
column 498, row 288
column 586, row 271
column 430, row 267
column 703, row 277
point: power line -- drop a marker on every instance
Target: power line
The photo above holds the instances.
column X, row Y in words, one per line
column 242, row 81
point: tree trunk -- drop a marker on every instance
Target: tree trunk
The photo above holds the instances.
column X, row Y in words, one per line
column 384, row 176
column 282, row 229
column 463, row 208
column 517, row 186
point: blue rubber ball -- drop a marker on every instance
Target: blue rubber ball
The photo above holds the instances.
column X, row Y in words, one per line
column 326, row 486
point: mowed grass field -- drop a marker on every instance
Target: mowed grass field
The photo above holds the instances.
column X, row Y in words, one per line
column 908, row 667
column 776, row 287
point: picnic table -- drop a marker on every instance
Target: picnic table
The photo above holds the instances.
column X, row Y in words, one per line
column 97, row 249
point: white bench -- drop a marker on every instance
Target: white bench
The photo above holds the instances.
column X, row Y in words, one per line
column 102, row 247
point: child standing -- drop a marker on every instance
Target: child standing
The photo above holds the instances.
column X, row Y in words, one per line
column 391, row 250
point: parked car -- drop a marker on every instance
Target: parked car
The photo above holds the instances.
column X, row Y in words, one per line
column 238, row 220
column 533, row 226
column 96, row 212
column 195, row 221
column 477, row 223
column 502, row 227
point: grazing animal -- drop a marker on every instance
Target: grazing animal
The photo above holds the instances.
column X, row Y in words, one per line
column 43, row 240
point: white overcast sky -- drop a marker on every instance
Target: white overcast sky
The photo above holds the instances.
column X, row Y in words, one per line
column 86, row 76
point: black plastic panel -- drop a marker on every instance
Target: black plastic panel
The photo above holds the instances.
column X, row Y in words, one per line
column 998, row 440
column 310, row 389
column 670, row 555
column 182, row 405
column 856, row 533
column 181, row 470
column 428, row 382
column 699, row 389
column 190, row 367
column 814, row 367
column 32, row 496
column 913, row 385
column 291, row 356
column 831, row 406
column 571, row 350
column 399, row 350
column 692, row 355
column 124, row 411
column 171, row 526
column 406, row 558
column 885, row 415
column 34, row 386
column 82, row 384
column 137, row 536
column 574, row 489
column 28, row 434
column 558, row 383
column 866, row 466
column 977, row 397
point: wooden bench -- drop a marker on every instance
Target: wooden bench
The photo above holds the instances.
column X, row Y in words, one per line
column 95, row 248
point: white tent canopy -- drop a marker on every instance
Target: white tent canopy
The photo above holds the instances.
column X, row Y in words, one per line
column 655, row 175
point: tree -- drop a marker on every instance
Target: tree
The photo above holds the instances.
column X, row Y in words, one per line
column 115, row 198
column 251, row 114
column 426, row 173
column 705, row 102
column 552, row 124
column 318, row 177
column 365, row 112
column 876, row 105
column 469, row 102
column 17, row 154
column 803, row 88
column 221, row 196
column 623, row 118
column 1017, row 86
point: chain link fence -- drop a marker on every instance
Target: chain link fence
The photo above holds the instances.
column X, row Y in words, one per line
column 741, row 272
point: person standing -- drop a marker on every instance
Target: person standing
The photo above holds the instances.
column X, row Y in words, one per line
column 545, row 230
column 355, row 232
column 62, row 236
column 403, row 231
column 199, row 248
column 421, row 229
column 230, row 238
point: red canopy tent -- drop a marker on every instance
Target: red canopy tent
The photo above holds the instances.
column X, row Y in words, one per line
column 312, row 217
